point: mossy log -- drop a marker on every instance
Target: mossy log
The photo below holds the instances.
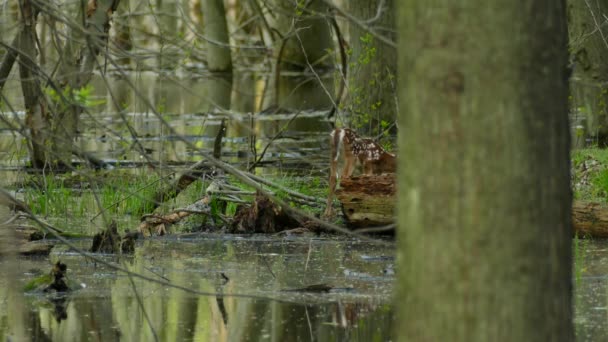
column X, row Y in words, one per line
column 590, row 219
column 368, row 200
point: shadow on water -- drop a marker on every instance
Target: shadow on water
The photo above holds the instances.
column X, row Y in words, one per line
column 350, row 299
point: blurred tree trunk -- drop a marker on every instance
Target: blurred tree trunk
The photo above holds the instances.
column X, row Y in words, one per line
column 304, row 38
column 167, row 14
column 219, row 60
column 123, row 40
column 53, row 121
column 589, row 83
column 36, row 111
column 219, row 63
column 373, row 64
column 244, row 89
column 484, row 233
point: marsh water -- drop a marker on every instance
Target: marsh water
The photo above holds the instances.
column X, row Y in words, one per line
column 276, row 274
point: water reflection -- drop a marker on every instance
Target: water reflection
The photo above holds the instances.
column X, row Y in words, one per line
column 591, row 292
column 110, row 308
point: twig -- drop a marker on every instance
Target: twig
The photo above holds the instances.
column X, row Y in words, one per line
column 360, row 23
column 312, row 69
column 308, row 255
column 288, row 191
column 276, row 136
column 344, row 70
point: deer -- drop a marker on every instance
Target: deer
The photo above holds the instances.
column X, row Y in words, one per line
column 371, row 156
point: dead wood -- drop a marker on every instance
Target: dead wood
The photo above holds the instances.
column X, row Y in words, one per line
column 159, row 224
column 58, row 283
column 367, row 200
column 38, row 248
column 370, row 201
column 186, row 178
column 110, row 242
column 262, row 216
column 590, row 219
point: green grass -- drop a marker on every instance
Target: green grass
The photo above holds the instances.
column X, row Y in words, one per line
column 75, row 203
column 76, row 197
column 590, row 174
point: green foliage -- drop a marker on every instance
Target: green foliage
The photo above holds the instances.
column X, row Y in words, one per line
column 300, row 7
column 82, row 97
column 369, row 50
column 365, row 106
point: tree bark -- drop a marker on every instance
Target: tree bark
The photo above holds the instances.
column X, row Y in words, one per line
column 589, row 48
column 53, row 122
column 302, row 46
column 371, row 82
column 368, row 200
column 590, row 219
column 219, row 59
column 81, row 58
column 484, row 218
column 8, row 60
column 36, row 111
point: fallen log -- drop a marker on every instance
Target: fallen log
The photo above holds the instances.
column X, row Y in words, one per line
column 369, row 200
column 590, row 219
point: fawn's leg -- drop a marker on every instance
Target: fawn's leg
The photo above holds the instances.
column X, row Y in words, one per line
column 349, row 164
column 333, row 174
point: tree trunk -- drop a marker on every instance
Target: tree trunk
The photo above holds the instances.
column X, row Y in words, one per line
column 589, row 47
column 302, row 47
column 219, row 59
column 36, row 112
column 78, row 63
column 484, row 226
column 167, row 14
column 53, row 127
column 373, row 64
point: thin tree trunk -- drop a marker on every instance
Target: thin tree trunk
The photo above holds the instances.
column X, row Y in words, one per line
column 8, row 61
column 303, row 46
column 484, row 227
column 76, row 69
column 372, row 82
column 219, row 59
column 37, row 116
column 589, row 47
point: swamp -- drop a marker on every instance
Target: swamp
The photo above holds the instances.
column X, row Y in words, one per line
column 166, row 168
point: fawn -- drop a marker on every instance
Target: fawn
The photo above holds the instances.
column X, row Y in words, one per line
column 372, row 157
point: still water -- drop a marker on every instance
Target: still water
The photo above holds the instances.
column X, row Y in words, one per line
column 276, row 272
